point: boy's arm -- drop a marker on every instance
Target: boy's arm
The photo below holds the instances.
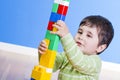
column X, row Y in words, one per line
column 81, row 62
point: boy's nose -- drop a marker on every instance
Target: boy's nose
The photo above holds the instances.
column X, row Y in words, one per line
column 81, row 37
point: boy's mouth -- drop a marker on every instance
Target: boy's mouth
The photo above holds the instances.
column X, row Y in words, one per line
column 79, row 43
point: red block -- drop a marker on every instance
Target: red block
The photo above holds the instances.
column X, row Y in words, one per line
column 50, row 27
column 62, row 9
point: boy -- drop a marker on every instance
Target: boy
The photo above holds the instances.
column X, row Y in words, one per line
column 80, row 60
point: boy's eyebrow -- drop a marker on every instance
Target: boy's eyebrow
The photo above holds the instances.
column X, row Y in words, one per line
column 90, row 33
column 79, row 29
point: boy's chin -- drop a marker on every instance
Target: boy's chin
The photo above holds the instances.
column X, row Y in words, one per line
column 80, row 48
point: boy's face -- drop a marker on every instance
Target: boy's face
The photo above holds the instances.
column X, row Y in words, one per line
column 87, row 39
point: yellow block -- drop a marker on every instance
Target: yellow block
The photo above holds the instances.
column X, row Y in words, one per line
column 47, row 41
column 39, row 73
column 48, row 58
column 54, row 29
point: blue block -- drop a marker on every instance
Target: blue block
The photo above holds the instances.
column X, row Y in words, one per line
column 32, row 79
column 55, row 16
column 62, row 17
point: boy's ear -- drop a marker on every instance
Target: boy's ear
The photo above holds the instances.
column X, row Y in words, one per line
column 101, row 48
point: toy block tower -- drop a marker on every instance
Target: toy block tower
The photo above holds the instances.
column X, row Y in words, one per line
column 43, row 71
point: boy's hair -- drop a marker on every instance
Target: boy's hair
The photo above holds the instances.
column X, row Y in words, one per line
column 104, row 28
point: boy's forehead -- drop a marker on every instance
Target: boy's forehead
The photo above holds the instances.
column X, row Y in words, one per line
column 89, row 29
column 88, row 26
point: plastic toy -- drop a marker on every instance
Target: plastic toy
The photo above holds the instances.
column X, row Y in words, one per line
column 43, row 71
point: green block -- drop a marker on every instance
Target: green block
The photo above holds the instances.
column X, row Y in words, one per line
column 54, row 40
column 55, row 7
column 48, row 34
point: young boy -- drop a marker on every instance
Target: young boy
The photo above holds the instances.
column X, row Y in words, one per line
column 80, row 60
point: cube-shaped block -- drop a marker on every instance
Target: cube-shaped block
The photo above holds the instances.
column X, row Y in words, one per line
column 39, row 73
column 32, row 79
column 55, row 16
column 50, row 27
column 47, row 41
column 54, row 40
column 48, row 59
column 62, row 9
column 54, row 29
column 55, row 7
column 48, row 34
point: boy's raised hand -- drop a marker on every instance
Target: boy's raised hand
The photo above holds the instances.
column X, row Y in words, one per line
column 42, row 47
column 62, row 28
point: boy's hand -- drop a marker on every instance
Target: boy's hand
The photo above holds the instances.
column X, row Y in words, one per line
column 62, row 28
column 42, row 47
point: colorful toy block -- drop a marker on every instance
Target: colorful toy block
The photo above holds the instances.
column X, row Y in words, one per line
column 32, row 79
column 55, row 16
column 54, row 40
column 40, row 73
column 54, row 29
column 50, row 27
column 48, row 58
column 55, row 7
column 47, row 41
column 62, row 9
column 43, row 71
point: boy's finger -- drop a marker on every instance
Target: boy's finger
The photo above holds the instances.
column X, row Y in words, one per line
column 53, row 32
column 43, row 42
column 58, row 33
column 60, row 23
column 42, row 48
column 43, row 45
column 58, row 26
column 40, row 52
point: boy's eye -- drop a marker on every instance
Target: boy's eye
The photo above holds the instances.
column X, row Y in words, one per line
column 80, row 32
column 90, row 36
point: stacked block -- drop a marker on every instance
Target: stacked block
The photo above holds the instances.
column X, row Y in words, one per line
column 43, row 71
